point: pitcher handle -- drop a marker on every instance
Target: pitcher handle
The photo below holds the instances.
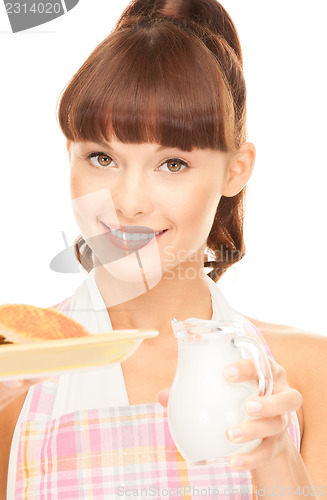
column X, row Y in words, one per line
column 260, row 360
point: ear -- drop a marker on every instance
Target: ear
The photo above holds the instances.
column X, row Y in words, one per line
column 68, row 145
column 239, row 169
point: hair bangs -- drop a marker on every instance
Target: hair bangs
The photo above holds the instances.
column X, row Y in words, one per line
column 150, row 85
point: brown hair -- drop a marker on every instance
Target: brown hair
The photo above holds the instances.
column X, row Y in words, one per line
column 170, row 72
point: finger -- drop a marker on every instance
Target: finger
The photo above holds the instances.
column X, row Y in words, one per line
column 279, row 375
column 22, row 383
column 258, row 429
column 12, row 384
column 276, row 404
column 163, row 396
column 264, row 452
column 245, row 369
column 241, row 371
column 34, row 381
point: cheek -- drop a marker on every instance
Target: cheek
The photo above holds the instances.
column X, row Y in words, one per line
column 78, row 184
column 198, row 210
column 89, row 203
column 193, row 214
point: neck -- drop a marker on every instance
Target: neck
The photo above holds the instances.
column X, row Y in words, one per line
column 133, row 305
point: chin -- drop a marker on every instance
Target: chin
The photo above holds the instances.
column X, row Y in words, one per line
column 144, row 265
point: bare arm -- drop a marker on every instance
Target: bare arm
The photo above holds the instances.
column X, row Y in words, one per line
column 304, row 357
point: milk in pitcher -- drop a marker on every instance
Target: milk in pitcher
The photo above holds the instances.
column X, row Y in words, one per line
column 202, row 403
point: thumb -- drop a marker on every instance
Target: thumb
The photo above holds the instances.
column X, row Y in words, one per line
column 163, row 396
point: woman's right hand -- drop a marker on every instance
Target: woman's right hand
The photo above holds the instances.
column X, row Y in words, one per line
column 11, row 389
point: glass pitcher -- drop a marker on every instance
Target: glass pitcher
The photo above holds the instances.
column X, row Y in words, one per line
column 202, row 403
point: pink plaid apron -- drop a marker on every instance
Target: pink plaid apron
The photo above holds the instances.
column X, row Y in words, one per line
column 115, row 452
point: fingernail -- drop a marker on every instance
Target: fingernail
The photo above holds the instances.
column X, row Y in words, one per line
column 231, row 372
column 253, row 407
column 162, row 397
column 234, row 433
column 236, row 463
column 12, row 383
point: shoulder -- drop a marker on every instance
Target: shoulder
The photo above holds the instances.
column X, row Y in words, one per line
column 303, row 354
column 294, row 348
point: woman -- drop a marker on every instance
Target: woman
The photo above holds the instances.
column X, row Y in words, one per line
column 156, row 136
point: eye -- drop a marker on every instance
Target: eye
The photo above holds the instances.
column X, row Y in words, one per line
column 99, row 159
column 175, row 165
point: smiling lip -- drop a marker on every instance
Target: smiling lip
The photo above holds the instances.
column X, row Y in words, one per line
column 128, row 244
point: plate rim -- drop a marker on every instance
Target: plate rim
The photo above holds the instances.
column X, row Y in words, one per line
column 12, row 351
column 93, row 338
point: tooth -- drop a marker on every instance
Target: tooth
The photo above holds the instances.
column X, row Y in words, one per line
column 133, row 236
column 117, row 233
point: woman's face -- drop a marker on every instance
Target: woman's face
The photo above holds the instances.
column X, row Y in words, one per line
column 124, row 193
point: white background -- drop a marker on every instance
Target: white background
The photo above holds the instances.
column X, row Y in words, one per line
column 282, row 277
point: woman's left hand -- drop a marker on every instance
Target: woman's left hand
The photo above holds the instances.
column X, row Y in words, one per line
column 272, row 415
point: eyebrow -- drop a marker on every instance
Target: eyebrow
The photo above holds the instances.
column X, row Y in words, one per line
column 102, row 143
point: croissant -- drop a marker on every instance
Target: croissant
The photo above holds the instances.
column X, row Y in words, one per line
column 27, row 323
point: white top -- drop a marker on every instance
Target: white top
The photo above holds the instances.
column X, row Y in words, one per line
column 98, row 387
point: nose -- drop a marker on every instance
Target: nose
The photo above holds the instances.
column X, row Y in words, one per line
column 131, row 194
